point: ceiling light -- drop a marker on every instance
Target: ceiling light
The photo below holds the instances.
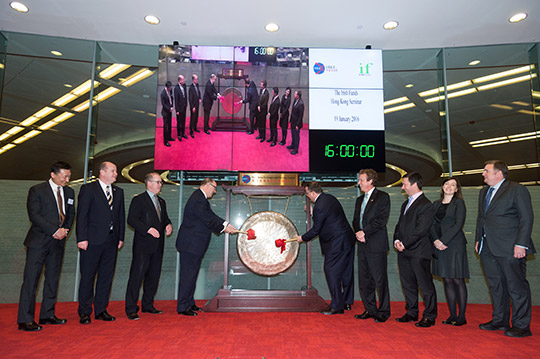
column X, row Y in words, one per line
column 12, row 131
column 27, row 136
column 55, row 121
column 409, row 86
column 518, row 17
column 151, row 19
column 81, row 107
column 271, row 27
column 391, row 25
column 474, row 62
column 64, row 100
column 113, row 70
column 498, row 75
column 448, row 88
column 84, row 88
column 56, row 53
column 17, row 6
column 105, row 94
column 399, row 108
column 136, row 77
column 396, row 100
column 68, row 85
column 503, row 107
column 505, row 82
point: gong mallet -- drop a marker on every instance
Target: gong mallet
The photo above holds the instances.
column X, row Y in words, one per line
column 250, row 234
column 280, row 243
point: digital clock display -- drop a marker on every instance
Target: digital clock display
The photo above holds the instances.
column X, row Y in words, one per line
column 346, row 150
column 262, row 54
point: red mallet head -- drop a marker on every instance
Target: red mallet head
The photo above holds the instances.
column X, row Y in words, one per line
column 281, row 243
column 251, row 234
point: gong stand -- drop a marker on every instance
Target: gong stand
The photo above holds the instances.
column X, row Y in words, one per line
column 228, row 299
column 228, row 124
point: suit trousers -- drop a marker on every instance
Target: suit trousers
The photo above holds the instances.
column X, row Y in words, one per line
column 193, row 119
column 295, row 133
column 167, row 118
column 97, row 260
column 372, row 277
column 207, row 119
column 336, row 270
column 181, row 124
column 50, row 257
column 252, row 120
column 507, row 280
column 348, row 280
column 283, row 135
column 415, row 272
column 144, row 267
column 190, row 264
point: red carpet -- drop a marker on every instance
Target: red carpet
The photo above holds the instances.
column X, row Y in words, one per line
column 260, row 335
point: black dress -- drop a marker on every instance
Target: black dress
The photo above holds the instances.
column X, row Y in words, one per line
column 448, row 227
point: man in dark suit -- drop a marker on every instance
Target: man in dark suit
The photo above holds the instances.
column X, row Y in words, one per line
column 51, row 210
column 166, row 112
column 210, row 95
column 252, row 98
column 337, row 244
column 100, row 233
column 180, row 103
column 369, row 223
column 194, row 104
column 193, row 240
column 503, row 240
column 149, row 219
column 284, row 114
column 274, row 116
column 411, row 239
column 262, row 108
column 297, row 114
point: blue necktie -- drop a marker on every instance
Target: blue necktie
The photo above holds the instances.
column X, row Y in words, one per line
column 487, row 200
column 362, row 209
column 408, row 205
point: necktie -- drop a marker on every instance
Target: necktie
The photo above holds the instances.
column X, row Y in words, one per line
column 158, row 209
column 487, row 200
column 60, row 206
column 109, row 197
column 182, row 89
column 362, row 209
column 408, row 205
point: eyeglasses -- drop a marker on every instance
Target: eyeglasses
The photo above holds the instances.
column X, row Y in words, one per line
column 215, row 187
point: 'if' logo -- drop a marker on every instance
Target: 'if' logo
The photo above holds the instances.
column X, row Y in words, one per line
column 364, row 69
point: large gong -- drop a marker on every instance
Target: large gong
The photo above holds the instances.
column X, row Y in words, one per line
column 261, row 254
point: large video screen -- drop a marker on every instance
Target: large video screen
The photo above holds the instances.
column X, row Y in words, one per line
column 269, row 109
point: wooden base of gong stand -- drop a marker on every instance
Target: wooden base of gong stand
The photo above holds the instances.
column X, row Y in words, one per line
column 245, row 300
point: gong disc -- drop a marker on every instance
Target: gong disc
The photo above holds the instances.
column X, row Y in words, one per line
column 231, row 96
column 261, row 254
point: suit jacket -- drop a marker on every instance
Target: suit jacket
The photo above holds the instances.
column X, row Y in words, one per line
column 452, row 224
column 197, row 225
column 508, row 220
column 274, row 111
column 297, row 114
column 252, row 97
column 284, row 111
column 166, row 102
column 180, row 100
column 94, row 217
column 331, row 225
column 413, row 228
column 43, row 214
column 142, row 216
column 263, row 101
column 194, row 97
column 374, row 221
column 210, row 95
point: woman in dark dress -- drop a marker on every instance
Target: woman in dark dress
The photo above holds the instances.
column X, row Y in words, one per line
column 284, row 114
column 450, row 256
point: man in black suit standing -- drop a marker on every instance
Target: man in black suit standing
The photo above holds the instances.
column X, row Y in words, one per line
column 149, row 219
column 337, row 244
column 100, row 234
column 503, row 240
column 180, row 102
column 193, row 240
column 194, row 104
column 411, row 239
column 369, row 223
column 51, row 210
column 297, row 114
column 210, row 95
column 166, row 112
column 274, row 116
column 262, row 108
column 252, row 98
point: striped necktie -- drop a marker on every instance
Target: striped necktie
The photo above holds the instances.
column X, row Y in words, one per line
column 60, row 206
column 109, row 197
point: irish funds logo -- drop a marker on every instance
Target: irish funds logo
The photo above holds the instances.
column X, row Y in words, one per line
column 318, row 68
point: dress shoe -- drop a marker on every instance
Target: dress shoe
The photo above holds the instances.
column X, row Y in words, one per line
column 258, row 137
column 262, row 140
column 180, row 139
column 270, row 140
column 30, row 327
column 105, row 316
column 294, row 152
column 348, row 307
column 184, row 136
column 167, row 144
column 282, row 143
column 332, row 312
column 195, row 308
column 133, row 316
column 493, row 326
column 207, row 132
column 188, row 312
column 448, row 321
column 192, row 135
column 425, row 323
column 152, row 311
column 290, row 147
column 52, row 320
column 85, row 319
column 407, row 318
column 515, row 332
column 364, row 315
column 273, row 144
column 458, row 323
column 380, row 318
column 196, row 130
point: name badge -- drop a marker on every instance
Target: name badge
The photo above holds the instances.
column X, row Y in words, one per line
column 70, row 201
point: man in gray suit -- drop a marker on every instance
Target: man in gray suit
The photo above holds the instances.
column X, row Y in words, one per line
column 503, row 240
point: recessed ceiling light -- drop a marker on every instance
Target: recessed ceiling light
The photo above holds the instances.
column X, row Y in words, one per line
column 17, row 6
column 474, row 62
column 391, row 25
column 409, row 86
column 56, row 53
column 68, row 85
column 518, row 17
column 271, row 27
column 151, row 19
